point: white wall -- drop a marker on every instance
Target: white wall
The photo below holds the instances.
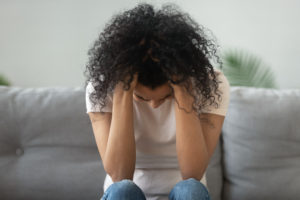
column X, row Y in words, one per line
column 45, row 43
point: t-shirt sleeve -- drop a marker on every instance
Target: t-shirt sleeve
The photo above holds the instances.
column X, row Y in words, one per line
column 224, row 87
column 96, row 108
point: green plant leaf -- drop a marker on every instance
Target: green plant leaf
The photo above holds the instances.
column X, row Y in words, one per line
column 242, row 68
column 4, row 81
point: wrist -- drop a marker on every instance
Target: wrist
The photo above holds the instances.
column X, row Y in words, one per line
column 121, row 95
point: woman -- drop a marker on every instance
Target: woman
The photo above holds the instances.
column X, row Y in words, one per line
column 156, row 104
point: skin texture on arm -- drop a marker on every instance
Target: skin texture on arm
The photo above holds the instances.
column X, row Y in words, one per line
column 195, row 141
column 120, row 153
column 212, row 132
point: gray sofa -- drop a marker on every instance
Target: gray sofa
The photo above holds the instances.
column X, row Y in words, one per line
column 48, row 150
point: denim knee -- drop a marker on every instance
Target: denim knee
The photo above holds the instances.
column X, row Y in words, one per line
column 189, row 189
column 123, row 190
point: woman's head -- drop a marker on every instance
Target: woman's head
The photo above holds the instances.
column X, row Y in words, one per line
column 157, row 44
column 153, row 97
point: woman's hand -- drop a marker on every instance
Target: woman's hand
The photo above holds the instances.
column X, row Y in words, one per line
column 180, row 90
column 183, row 96
column 119, row 87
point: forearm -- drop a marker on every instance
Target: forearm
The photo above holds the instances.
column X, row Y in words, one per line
column 190, row 142
column 120, row 155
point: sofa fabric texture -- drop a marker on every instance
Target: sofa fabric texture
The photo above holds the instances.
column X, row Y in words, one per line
column 261, row 145
column 48, row 150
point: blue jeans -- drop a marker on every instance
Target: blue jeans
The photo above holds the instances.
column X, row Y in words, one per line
column 189, row 189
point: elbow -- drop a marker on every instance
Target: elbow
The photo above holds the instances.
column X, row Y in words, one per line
column 118, row 173
column 198, row 177
column 119, row 177
column 196, row 173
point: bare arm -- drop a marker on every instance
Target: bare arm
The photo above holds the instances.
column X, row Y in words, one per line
column 190, row 142
column 120, row 153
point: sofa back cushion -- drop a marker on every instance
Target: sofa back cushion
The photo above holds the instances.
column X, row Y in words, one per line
column 261, row 144
column 47, row 147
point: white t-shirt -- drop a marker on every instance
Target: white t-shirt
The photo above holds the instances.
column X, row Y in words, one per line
column 157, row 169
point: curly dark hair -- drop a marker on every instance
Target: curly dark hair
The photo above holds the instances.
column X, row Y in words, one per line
column 156, row 45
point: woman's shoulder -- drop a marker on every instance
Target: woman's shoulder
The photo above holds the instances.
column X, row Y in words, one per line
column 221, row 78
column 224, row 88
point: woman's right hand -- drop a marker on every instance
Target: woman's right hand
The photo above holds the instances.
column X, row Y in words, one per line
column 119, row 87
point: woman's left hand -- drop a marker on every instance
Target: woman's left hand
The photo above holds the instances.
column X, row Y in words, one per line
column 181, row 94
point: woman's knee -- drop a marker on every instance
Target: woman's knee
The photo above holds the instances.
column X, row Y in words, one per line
column 189, row 189
column 123, row 190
